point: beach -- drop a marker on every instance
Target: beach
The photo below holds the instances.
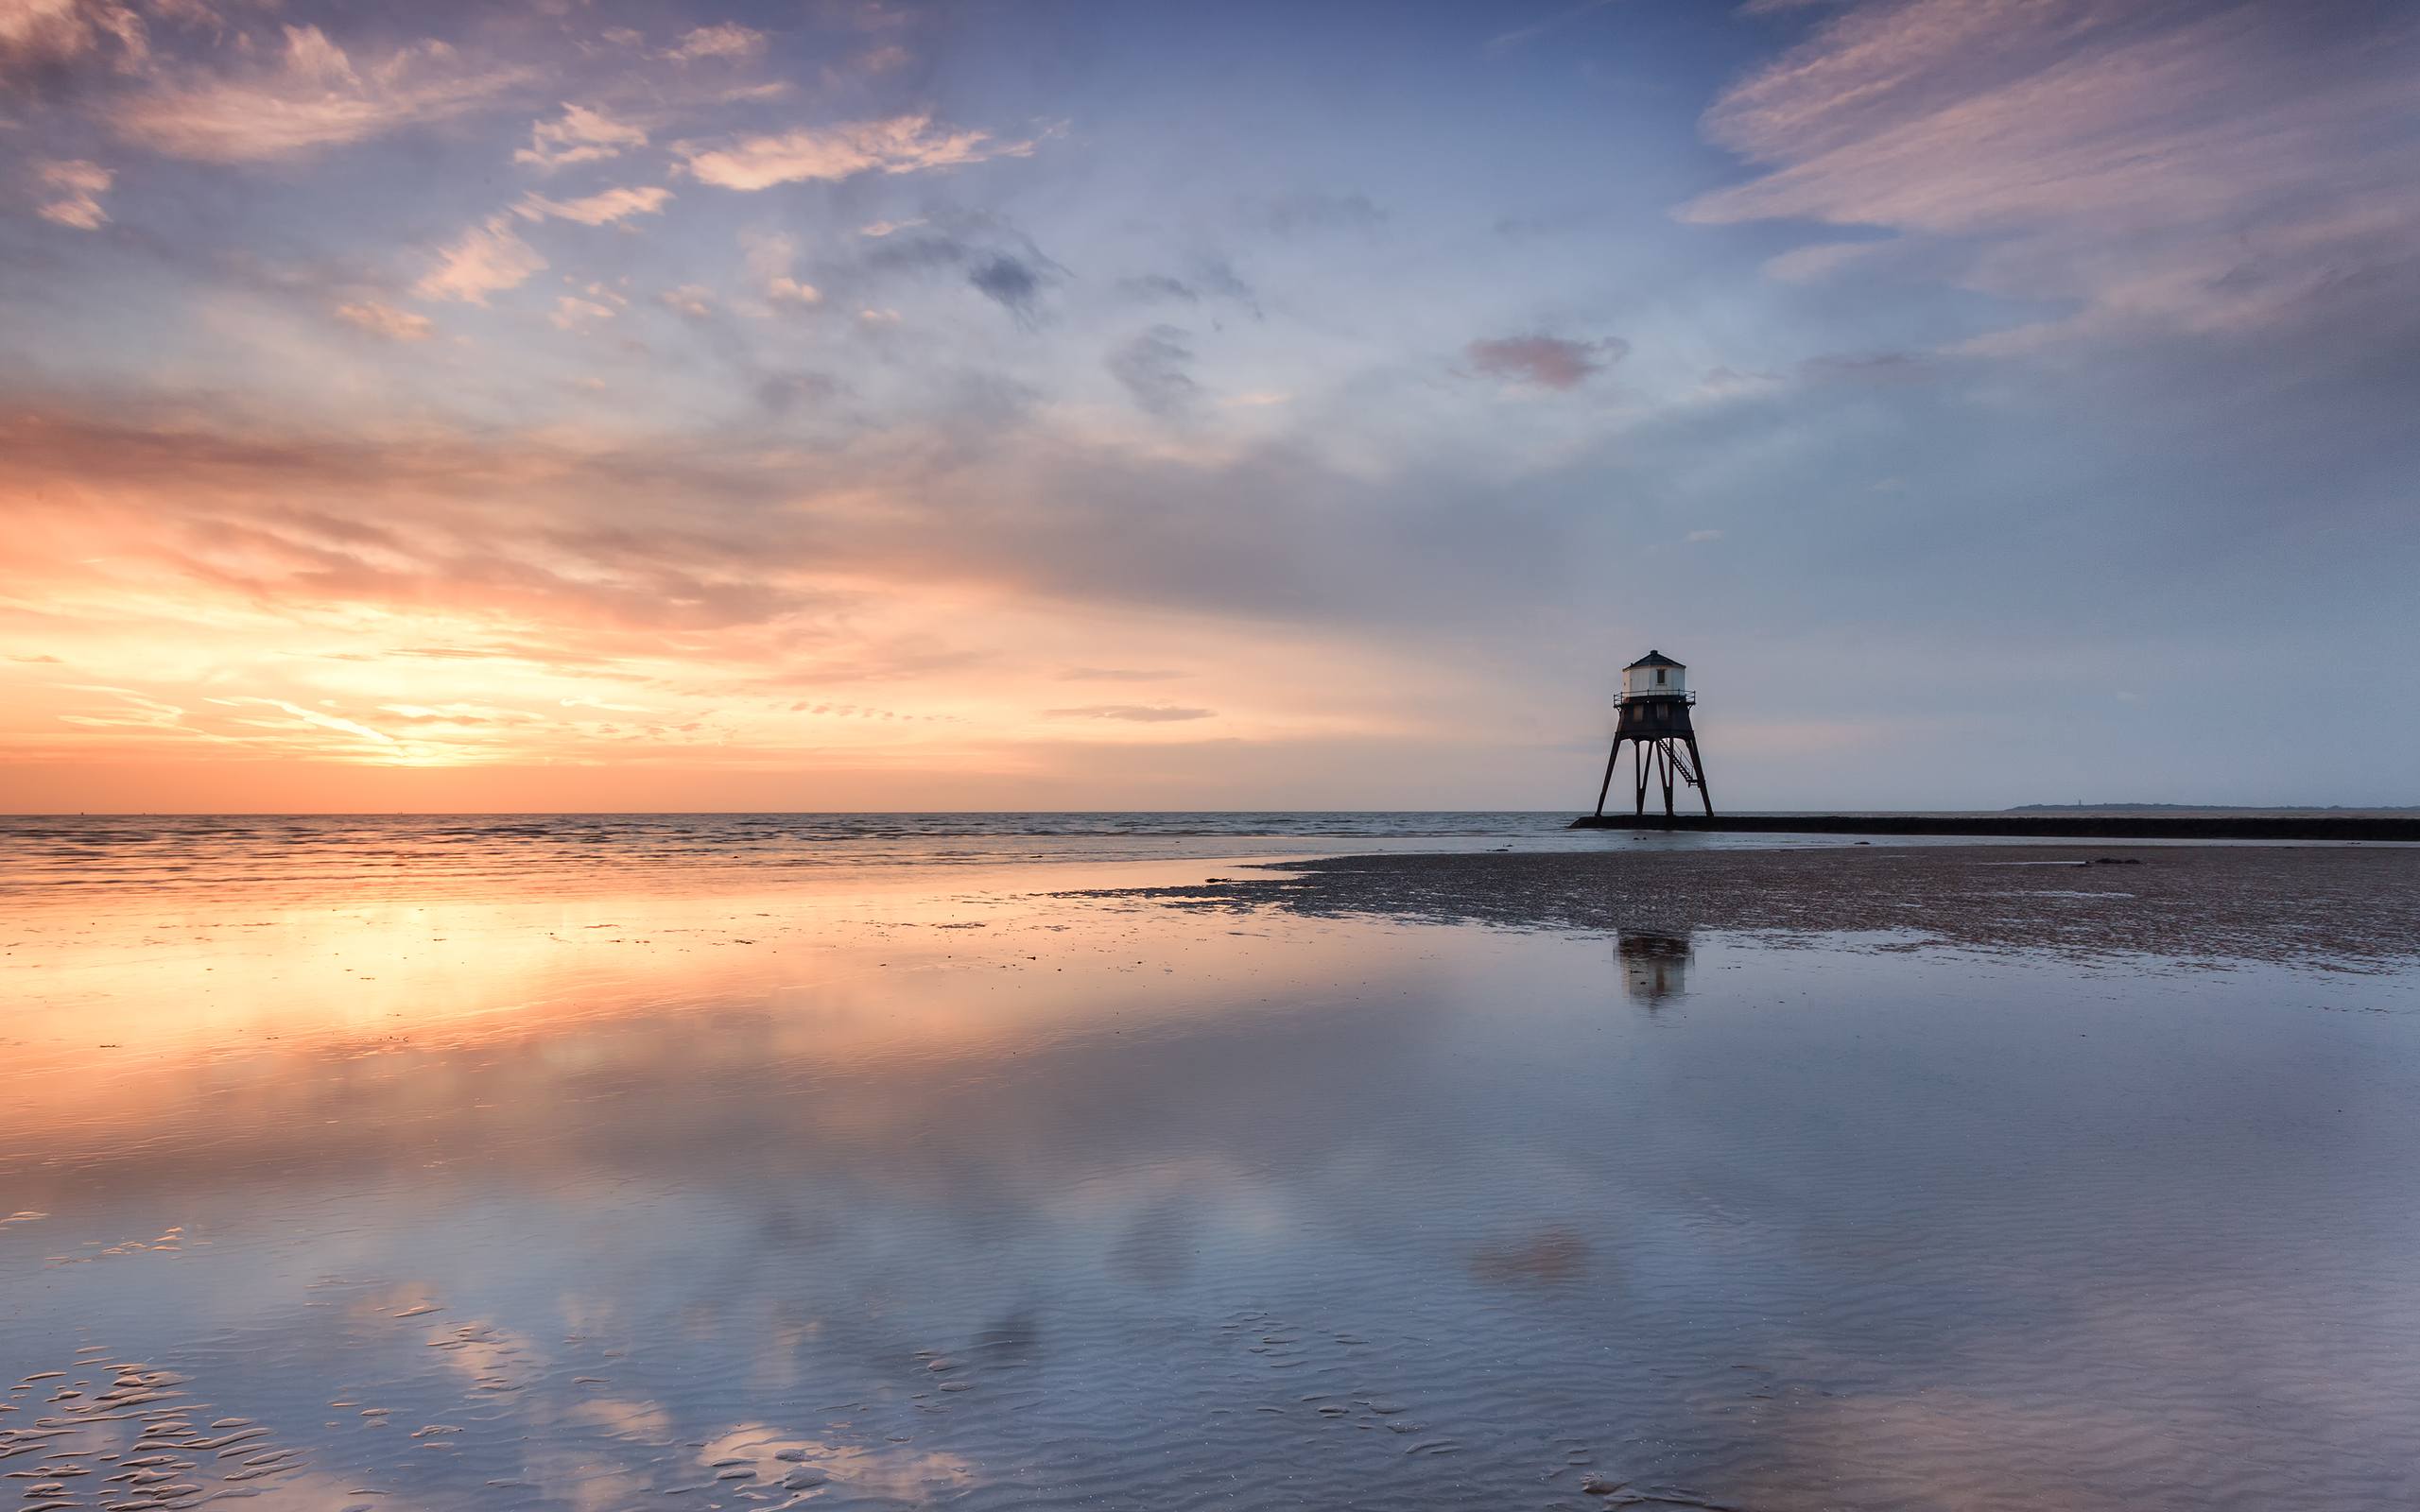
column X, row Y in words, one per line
column 695, row 1162
column 2329, row 907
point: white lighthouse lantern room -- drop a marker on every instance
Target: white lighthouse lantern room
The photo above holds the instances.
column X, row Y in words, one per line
column 1654, row 675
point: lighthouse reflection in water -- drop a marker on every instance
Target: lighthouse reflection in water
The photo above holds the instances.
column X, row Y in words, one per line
column 1655, row 966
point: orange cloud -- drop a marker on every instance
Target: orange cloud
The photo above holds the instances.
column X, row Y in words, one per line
column 190, row 598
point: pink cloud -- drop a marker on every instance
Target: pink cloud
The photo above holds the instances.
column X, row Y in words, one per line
column 597, row 209
column 37, row 35
column 580, row 135
column 312, row 98
column 905, row 144
column 76, row 187
column 385, row 320
column 486, row 259
column 1550, row 362
column 2199, row 167
column 727, row 39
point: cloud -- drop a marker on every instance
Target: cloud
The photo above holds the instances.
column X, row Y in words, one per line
column 1507, row 41
column 1131, row 713
column 1818, row 261
column 695, row 300
column 904, row 144
column 77, row 186
column 779, row 393
column 575, row 314
column 1213, row 278
column 487, row 259
column 311, row 97
column 2197, row 167
column 1550, row 362
column 570, row 528
column 993, row 257
column 728, row 39
column 385, row 320
column 1153, row 287
column 317, row 719
column 1872, row 367
column 1152, row 365
column 771, row 256
column 582, row 135
column 1298, row 213
column 43, row 37
column 1009, row 281
column 597, row 209
column 417, row 525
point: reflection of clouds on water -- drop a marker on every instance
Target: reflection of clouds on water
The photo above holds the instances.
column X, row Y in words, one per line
column 317, row 1491
column 1278, row 1207
column 759, row 1455
column 644, row 1420
column 1555, row 1256
column 1655, row 966
column 577, row 1476
column 2064, row 1446
column 783, row 1339
column 490, row 1358
column 399, row 1299
column 1158, row 1246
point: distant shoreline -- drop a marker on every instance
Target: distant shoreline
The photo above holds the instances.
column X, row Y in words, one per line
column 2089, row 825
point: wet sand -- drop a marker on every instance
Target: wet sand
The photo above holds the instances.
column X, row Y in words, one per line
column 2334, row 907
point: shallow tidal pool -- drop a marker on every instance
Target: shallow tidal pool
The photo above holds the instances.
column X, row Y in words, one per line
column 946, row 1192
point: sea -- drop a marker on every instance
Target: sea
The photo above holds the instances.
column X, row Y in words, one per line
column 44, row 852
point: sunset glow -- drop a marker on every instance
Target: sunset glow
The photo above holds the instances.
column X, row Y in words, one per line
column 871, row 406
column 793, row 755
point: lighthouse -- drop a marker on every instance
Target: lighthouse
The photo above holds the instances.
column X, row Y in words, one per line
column 1654, row 715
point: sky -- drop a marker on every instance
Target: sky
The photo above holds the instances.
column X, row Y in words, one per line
column 555, row 404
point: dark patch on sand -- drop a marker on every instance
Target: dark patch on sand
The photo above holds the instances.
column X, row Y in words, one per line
column 2355, row 908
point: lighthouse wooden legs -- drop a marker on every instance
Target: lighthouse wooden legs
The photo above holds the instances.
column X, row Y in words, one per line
column 1610, row 757
column 1656, row 761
